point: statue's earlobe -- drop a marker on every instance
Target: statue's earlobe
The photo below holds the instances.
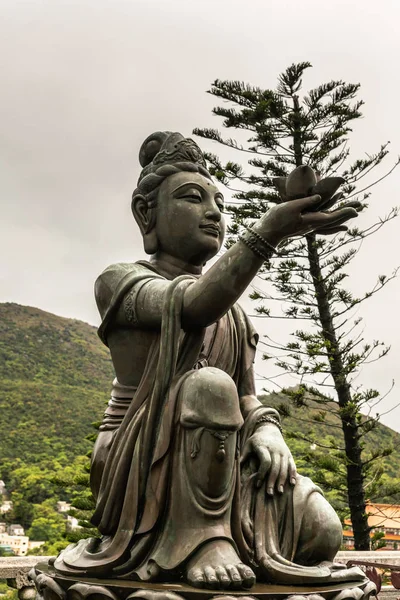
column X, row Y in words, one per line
column 150, row 242
column 145, row 218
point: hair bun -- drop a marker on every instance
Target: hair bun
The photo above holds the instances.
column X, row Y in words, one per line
column 152, row 146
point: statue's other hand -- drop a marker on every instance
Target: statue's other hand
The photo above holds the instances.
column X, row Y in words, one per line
column 296, row 218
column 276, row 465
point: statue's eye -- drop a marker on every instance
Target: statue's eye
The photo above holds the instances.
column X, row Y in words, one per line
column 192, row 197
column 221, row 206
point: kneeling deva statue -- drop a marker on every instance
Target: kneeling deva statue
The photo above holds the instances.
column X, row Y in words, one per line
column 192, row 478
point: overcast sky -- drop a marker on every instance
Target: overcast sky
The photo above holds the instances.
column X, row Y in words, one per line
column 84, row 82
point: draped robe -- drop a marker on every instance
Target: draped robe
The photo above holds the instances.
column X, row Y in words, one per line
column 133, row 457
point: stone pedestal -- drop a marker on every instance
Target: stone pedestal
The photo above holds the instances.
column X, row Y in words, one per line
column 52, row 586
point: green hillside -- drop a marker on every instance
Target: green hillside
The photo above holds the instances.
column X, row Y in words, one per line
column 316, row 424
column 306, row 426
column 55, row 377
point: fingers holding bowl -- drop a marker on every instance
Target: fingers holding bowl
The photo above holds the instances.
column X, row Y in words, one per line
column 332, row 230
column 322, row 220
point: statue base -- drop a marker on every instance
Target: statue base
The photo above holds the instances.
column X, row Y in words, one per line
column 52, row 586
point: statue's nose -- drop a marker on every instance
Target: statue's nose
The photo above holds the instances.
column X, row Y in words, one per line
column 213, row 213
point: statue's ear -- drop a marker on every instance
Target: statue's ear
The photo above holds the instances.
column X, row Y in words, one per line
column 145, row 218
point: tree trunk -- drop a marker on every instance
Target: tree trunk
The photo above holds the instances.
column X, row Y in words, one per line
column 354, row 467
column 355, row 477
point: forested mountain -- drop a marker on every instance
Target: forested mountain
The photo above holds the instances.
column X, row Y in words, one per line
column 55, row 378
column 313, row 423
column 314, row 435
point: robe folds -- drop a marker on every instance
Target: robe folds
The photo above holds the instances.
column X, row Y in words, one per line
column 133, row 460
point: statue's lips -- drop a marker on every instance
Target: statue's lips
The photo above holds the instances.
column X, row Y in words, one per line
column 214, row 230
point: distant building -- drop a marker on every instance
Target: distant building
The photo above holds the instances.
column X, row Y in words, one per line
column 19, row 543
column 63, row 507
column 72, row 523
column 5, row 506
column 3, row 527
column 383, row 518
column 33, row 544
column 16, row 530
column 7, row 549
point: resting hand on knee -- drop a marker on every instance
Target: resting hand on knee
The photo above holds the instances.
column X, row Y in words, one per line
column 276, row 464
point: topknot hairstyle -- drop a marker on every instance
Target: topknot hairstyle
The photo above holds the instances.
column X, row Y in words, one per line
column 162, row 154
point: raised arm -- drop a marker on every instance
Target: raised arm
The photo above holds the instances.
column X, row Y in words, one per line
column 214, row 293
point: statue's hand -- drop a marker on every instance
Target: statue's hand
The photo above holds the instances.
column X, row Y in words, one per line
column 274, row 457
column 295, row 218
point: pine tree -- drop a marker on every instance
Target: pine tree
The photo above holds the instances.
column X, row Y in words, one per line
column 278, row 130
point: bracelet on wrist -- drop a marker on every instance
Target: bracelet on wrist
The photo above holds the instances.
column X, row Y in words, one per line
column 262, row 240
column 268, row 419
column 257, row 244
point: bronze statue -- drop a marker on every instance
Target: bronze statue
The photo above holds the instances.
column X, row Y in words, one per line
column 192, row 477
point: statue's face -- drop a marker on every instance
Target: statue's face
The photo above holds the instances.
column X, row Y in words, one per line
column 190, row 224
